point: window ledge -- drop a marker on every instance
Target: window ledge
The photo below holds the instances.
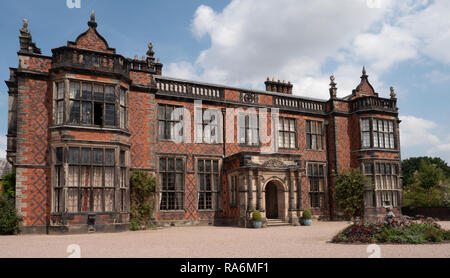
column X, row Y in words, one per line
column 91, row 128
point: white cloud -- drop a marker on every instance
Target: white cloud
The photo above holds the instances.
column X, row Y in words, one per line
column 390, row 46
column 3, row 142
column 424, row 134
column 288, row 40
column 416, row 131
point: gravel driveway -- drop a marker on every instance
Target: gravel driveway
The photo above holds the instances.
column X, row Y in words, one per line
column 211, row 242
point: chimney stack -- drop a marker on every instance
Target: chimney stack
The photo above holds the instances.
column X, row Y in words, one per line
column 278, row 86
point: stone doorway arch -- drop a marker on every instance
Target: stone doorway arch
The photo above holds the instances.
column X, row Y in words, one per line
column 275, row 200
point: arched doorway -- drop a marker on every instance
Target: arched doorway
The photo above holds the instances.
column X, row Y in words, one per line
column 271, row 200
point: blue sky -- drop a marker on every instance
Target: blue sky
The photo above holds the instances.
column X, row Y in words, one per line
column 402, row 44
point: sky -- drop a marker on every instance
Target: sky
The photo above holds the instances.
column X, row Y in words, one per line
column 404, row 44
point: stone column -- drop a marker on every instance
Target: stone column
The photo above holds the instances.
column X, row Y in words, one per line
column 249, row 181
column 299, row 193
column 292, row 213
column 243, row 201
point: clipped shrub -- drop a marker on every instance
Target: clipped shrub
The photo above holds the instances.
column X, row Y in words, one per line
column 9, row 218
column 256, row 216
column 306, row 214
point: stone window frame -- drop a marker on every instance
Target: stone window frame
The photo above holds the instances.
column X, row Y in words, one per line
column 281, row 120
column 215, row 192
column 323, row 193
column 247, row 129
column 315, row 134
column 389, row 136
column 380, row 195
column 167, row 121
column 175, row 191
column 60, row 184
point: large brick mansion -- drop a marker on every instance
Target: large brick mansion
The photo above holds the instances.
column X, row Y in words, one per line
column 81, row 119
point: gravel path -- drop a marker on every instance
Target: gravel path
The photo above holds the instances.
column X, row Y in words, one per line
column 212, row 242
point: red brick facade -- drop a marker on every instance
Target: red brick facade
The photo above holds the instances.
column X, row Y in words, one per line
column 45, row 134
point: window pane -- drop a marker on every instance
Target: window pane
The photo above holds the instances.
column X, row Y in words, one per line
column 86, row 112
column 179, row 165
column 98, row 156
column 110, row 114
column 109, row 157
column 366, row 125
column 74, row 111
column 87, row 91
column 161, row 112
column 98, row 93
column 308, row 126
column 109, row 177
column 98, row 200
column 73, row 179
column 292, row 140
column 74, row 154
column 60, row 90
column 122, row 97
column 98, row 177
column 109, row 94
column 59, row 112
column 109, row 199
column 74, row 90
column 85, row 176
column 72, row 200
column 85, row 156
column 161, row 130
column 59, row 155
column 162, row 164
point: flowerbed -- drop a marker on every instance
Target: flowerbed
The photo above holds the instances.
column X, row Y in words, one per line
column 399, row 230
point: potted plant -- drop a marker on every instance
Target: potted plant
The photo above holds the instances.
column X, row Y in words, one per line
column 256, row 219
column 306, row 218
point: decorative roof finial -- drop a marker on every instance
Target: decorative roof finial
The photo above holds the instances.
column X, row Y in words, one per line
column 393, row 94
column 333, row 89
column 364, row 72
column 26, row 41
column 150, row 51
column 92, row 22
column 24, row 25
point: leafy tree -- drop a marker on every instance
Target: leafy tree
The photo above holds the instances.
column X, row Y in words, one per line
column 9, row 185
column 9, row 218
column 428, row 187
column 349, row 190
column 411, row 165
column 143, row 187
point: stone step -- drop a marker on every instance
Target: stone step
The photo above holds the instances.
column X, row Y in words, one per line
column 276, row 222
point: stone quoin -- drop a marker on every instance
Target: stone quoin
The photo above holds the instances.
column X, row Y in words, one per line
column 81, row 120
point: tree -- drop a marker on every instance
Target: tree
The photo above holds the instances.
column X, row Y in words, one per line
column 428, row 187
column 411, row 165
column 143, row 188
column 350, row 187
column 9, row 185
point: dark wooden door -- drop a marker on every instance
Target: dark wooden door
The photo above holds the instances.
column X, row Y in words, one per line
column 271, row 201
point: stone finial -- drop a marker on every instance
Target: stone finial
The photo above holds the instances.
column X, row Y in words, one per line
column 333, row 89
column 92, row 22
column 150, row 51
column 364, row 72
column 24, row 26
column 393, row 94
column 26, row 41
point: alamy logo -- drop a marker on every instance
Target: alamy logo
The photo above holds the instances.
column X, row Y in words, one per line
column 73, row 4
column 74, row 251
